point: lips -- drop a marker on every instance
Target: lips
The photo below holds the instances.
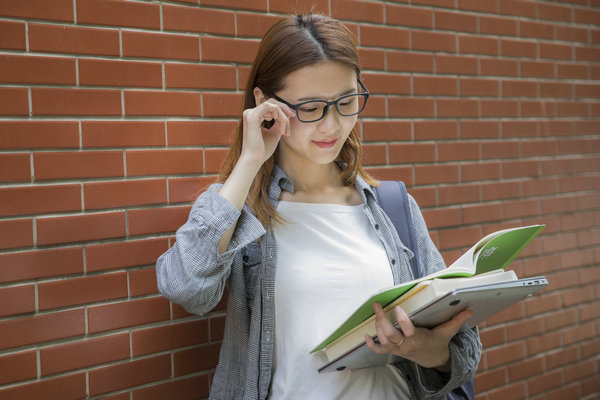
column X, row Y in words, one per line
column 325, row 143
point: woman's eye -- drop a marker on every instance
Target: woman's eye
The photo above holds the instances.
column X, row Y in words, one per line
column 308, row 109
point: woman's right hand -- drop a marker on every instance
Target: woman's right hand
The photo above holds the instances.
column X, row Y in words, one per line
column 259, row 143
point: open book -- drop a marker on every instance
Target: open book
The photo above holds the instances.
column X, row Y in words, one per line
column 482, row 264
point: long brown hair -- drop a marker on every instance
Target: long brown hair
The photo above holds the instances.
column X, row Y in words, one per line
column 290, row 44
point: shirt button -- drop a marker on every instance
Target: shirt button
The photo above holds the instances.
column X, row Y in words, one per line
column 245, row 258
column 393, row 261
column 377, row 226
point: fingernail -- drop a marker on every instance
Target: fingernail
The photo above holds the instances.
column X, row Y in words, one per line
column 377, row 307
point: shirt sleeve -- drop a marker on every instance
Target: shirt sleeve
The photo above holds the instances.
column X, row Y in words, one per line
column 192, row 273
column 465, row 346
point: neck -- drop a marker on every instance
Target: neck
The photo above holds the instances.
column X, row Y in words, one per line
column 313, row 177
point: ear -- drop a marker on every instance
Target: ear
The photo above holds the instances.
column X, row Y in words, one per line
column 259, row 96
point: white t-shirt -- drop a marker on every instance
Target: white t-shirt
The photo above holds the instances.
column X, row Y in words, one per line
column 329, row 261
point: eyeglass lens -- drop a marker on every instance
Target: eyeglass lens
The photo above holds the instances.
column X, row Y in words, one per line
column 347, row 105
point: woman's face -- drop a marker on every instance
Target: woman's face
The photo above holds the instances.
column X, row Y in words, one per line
column 321, row 141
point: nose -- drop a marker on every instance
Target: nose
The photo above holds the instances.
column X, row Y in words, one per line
column 331, row 120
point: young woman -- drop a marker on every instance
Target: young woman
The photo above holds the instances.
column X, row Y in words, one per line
column 294, row 231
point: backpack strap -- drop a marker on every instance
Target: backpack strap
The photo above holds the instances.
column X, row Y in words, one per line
column 393, row 199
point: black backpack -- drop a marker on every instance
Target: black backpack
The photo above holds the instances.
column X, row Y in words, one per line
column 393, row 199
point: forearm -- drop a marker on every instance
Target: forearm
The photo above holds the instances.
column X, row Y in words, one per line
column 235, row 190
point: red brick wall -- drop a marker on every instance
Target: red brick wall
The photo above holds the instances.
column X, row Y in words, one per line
column 114, row 114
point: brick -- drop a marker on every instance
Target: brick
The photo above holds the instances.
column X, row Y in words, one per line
column 542, row 343
column 157, row 220
column 183, row 389
column 506, row 149
column 372, row 59
column 537, row 109
column 38, row 134
column 457, row 151
column 555, row 51
column 480, row 171
column 538, row 30
column 25, row 200
column 132, row 373
column 217, row 328
column 442, row 217
column 478, row 45
column 77, row 291
column 481, row 213
column 69, row 165
column 12, row 35
column 142, row 281
column 408, row 16
column 498, row 25
column 160, row 45
column 428, row 130
column 431, row 85
column 460, row 237
column 31, row 69
column 515, row 169
column 522, row 129
column 518, row 48
column 259, row 5
column 433, row 41
column 409, row 62
column 542, row 383
column 41, row 328
column 40, row 264
column 518, row 7
column 437, row 3
column 523, row 329
column 198, row 20
column 122, row 133
column 521, row 208
column 162, row 162
column 254, row 25
column 572, row 71
column 50, row 101
column 411, row 107
column 579, row 371
column 460, row 194
column 155, row 340
column 499, row 67
column 229, row 50
column 67, row 387
column 499, row 191
column 61, row 10
column 185, row 190
column 73, row 40
column 505, row 354
column 490, row 379
column 162, row 103
column 17, row 300
column 479, row 87
column 479, row 129
column 200, row 76
column 124, row 254
column 571, row 109
column 475, row 5
column 457, row 107
column 514, row 391
column 18, row 367
column 430, row 174
column 376, row 36
column 455, row 21
column 124, row 193
column 411, row 152
column 127, row 314
column 449, row 64
column 537, row 69
column 357, row 10
column 14, row 101
column 213, row 159
column 200, row 133
column 119, row 73
column 80, row 228
column 376, row 107
column 374, row 154
column 590, row 54
column 196, row 359
column 16, row 233
column 15, row 167
column 118, row 13
column 569, row 355
column 84, row 353
column 555, row 12
column 572, row 34
column 387, row 83
column 222, row 104
column 526, row 368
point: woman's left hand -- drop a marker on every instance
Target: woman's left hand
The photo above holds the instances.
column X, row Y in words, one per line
column 426, row 347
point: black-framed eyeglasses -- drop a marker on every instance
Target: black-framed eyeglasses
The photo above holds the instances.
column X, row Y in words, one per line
column 315, row 110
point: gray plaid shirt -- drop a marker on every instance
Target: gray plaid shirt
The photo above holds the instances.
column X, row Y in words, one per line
column 194, row 275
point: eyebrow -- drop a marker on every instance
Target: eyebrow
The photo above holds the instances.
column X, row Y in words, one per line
column 349, row 91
